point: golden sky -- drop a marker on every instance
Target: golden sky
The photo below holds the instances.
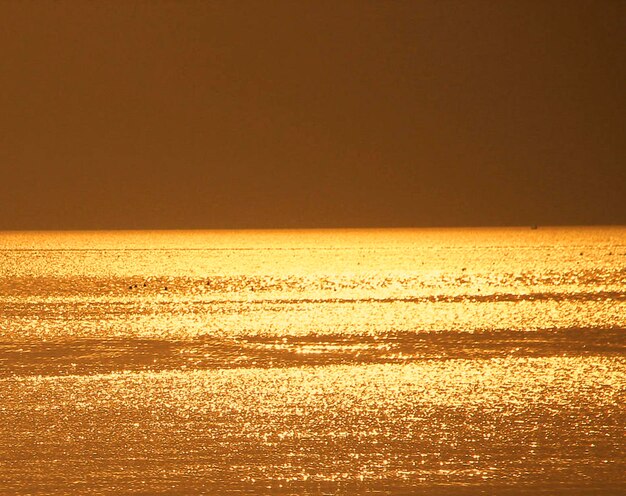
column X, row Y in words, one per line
column 233, row 114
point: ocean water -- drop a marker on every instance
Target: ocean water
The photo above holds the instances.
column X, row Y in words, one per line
column 313, row 362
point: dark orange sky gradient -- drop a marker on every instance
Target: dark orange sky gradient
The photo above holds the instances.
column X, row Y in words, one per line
column 234, row 114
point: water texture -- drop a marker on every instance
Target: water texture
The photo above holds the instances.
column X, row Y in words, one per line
column 308, row 362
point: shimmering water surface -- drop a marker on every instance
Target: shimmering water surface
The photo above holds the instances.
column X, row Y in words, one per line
column 308, row 362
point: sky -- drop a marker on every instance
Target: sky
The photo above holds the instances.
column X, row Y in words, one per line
column 311, row 114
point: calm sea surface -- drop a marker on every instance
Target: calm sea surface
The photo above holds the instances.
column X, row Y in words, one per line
column 308, row 362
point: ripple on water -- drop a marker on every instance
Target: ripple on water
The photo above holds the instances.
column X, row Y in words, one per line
column 499, row 421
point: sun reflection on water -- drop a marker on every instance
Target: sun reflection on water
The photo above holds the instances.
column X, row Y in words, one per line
column 311, row 362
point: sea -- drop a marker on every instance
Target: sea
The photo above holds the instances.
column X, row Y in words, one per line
column 388, row 361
